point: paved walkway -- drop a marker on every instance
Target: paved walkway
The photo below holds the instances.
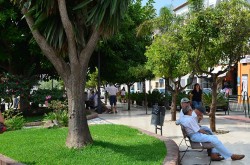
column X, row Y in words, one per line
column 237, row 140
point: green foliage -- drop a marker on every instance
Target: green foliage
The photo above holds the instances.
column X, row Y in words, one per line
column 166, row 55
column 13, row 120
column 220, row 99
column 93, row 79
column 49, row 147
column 93, row 13
column 41, row 95
column 51, row 84
column 123, row 53
column 218, row 36
column 16, row 85
column 196, row 5
column 60, row 112
column 155, row 97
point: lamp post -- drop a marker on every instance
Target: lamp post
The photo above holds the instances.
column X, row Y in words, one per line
column 99, row 82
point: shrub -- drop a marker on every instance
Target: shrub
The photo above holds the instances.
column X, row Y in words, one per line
column 41, row 95
column 222, row 102
column 155, row 97
column 13, row 120
column 60, row 112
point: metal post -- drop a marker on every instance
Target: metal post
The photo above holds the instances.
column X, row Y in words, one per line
column 245, row 98
column 99, row 82
column 248, row 106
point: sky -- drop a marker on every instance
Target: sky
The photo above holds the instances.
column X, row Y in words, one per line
column 161, row 3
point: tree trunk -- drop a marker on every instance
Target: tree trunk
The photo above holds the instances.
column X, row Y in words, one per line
column 166, row 103
column 213, row 105
column 78, row 134
column 173, row 106
column 73, row 74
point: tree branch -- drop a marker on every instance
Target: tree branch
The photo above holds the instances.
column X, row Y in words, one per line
column 47, row 50
column 68, row 27
column 88, row 50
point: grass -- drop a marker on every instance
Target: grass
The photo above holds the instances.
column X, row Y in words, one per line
column 113, row 144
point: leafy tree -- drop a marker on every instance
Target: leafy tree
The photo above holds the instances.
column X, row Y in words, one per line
column 67, row 33
column 93, row 79
column 166, row 58
column 166, row 52
column 16, row 53
column 123, row 54
column 19, row 56
column 217, row 36
column 157, row 25
column 13, row 85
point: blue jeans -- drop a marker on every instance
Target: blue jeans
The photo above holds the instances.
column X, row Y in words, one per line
column 218, row 146
column 196, row 104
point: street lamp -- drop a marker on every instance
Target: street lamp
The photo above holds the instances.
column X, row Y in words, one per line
column 99, row 82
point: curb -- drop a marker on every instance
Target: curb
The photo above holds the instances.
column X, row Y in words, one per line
column 173, row 156
column 4, row 160
column 92, row 116
column 238, row 118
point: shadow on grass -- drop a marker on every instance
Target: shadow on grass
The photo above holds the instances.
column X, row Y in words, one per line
column 139, row 152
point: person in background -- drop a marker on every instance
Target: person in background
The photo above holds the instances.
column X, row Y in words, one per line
column 112, row 91
column 196, row 96
column 1, row 118
column 90, row 100
column 95, row 99
column 123, row 93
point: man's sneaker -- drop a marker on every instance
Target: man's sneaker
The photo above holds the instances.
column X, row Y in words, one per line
column 237, row 157
column 216, row 157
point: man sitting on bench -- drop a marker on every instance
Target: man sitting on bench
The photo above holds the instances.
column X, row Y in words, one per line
column 185, row 102
column 219, row 152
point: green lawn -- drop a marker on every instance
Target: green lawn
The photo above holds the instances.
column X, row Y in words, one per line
column 113, row 144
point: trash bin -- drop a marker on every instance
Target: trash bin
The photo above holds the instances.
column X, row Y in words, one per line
column 158, row 115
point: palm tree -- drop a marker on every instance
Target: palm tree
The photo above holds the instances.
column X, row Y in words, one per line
column 67, row 33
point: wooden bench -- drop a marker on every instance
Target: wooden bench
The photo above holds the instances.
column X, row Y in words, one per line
column 194, row 145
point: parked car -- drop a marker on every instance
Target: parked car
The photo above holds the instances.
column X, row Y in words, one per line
column 187, row 91
column 206, row 90
column 161, row 90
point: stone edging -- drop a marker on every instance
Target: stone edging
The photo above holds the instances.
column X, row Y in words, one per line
column 92, row 116
column 172, row 157
column 4, row 160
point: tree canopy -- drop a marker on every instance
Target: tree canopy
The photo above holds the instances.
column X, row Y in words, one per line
column 67, row 33
column 217, row 36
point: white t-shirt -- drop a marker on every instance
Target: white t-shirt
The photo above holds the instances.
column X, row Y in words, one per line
column 123, row 92
column 96, row 100
column 190, row 124
column 182, row 114
column 112, row 90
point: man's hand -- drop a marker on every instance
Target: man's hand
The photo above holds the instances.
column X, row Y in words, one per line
column 202, row 131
